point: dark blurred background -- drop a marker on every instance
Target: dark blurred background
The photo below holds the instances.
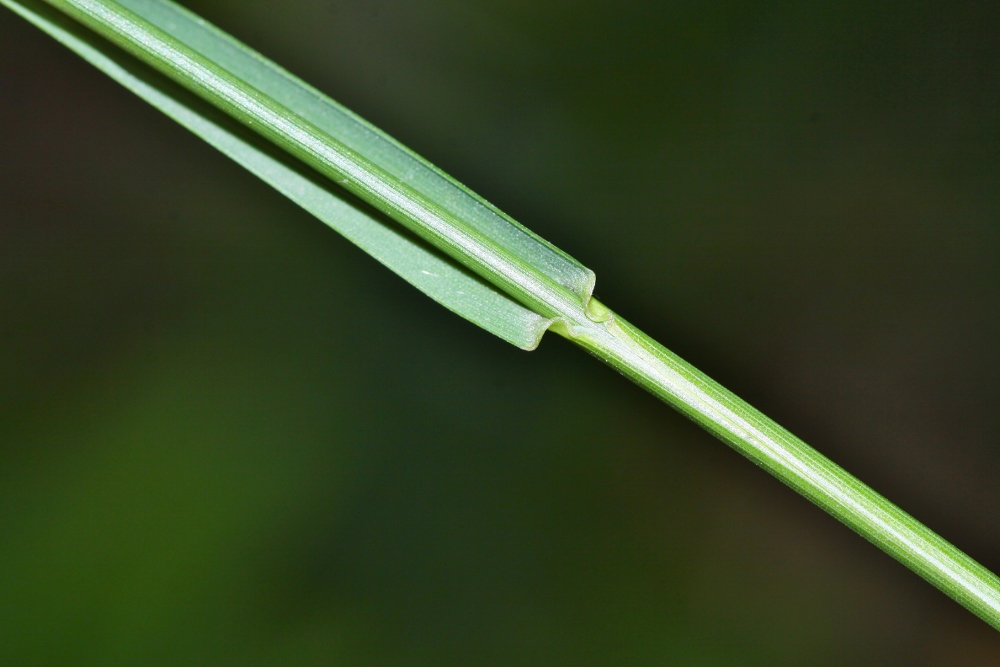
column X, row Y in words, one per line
column 229, row 437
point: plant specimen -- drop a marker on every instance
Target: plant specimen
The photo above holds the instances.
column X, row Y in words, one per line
column 454, row 246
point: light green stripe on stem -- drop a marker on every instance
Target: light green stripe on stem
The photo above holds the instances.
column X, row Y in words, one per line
column 602, row 333
column 795, row 463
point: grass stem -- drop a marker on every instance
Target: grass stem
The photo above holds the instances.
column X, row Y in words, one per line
column 535, row 274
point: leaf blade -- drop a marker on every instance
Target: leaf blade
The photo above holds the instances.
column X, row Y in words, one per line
column 438, row 277
column 499, row 262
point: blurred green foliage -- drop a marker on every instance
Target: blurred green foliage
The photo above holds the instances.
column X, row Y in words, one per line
column 228, row 437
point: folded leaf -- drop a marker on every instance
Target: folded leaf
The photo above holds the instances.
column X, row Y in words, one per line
column 351, row 153
column 437, row 276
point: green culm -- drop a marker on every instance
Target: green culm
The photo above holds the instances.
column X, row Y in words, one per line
column 452, row 245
